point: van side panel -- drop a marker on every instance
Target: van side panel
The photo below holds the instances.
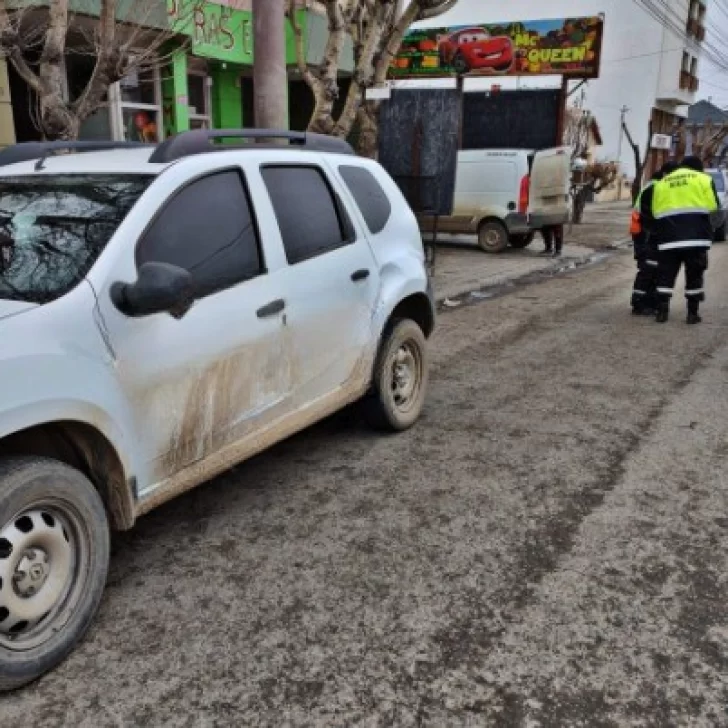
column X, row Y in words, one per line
column 487, row 186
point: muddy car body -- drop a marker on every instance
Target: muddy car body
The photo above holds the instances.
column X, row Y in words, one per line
column 169, row 312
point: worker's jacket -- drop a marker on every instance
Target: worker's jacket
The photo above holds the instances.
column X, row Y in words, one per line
column 679, row 209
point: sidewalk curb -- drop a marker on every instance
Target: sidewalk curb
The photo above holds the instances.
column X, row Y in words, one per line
column 501, row 284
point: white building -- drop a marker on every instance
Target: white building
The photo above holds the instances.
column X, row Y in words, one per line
column 650, row 60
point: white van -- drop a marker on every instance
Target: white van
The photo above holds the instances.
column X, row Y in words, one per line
column 505, row 195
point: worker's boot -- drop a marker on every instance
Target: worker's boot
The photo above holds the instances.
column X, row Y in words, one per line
column 663, row 312
column 693, row 315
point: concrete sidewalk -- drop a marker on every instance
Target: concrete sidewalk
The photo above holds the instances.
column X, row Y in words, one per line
column 461, row 267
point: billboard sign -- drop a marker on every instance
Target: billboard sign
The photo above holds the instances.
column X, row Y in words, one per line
column 564, row 47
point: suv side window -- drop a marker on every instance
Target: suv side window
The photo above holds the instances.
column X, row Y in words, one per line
column 207, row 228
column 311, row 218
column 370, row 197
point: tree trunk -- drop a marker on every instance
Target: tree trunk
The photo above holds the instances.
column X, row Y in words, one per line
column 577, row 215
column 367, row 122
column 57, row 122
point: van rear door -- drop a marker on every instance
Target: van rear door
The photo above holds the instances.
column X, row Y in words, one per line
column 549, row 189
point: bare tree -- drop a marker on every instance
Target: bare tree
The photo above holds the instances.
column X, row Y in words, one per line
column 595, row 177
column 126, row 37
column 377, row 31
column 640, row 159
column 577, row 132
column 707, row 140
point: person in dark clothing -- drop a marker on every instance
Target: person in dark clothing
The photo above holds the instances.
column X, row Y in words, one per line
column 553, row 238
column 644, row 290
column 679, row 210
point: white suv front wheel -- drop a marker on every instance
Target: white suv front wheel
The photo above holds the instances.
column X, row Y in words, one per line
column 54, row 555
column 401, row 374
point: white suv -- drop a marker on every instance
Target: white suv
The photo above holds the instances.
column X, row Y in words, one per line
column 167, row 312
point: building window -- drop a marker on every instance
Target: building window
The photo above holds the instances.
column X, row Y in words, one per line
column 686, row 62
column 136, row 103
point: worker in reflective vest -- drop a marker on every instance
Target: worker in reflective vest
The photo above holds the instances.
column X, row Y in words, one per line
column 644, row 290
column 679, row 211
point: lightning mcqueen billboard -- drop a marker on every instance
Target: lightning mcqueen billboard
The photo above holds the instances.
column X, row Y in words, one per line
column 568, row 47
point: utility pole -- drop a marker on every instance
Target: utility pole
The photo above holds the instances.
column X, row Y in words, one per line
column 622, row 114
column 270, row 79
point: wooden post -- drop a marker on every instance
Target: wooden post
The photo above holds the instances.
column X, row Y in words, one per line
column 563, row 99
column 461, row 91
column 270, row 78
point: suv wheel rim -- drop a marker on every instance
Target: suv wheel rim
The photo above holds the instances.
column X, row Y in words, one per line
column 406, row 376
column 42, row 553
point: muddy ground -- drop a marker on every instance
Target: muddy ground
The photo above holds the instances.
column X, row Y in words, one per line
column 549, row 547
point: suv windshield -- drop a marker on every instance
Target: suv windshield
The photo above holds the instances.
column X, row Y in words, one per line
column 53, row 228
column 719, row 180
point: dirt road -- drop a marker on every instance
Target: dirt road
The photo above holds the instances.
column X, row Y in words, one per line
column 548, row 548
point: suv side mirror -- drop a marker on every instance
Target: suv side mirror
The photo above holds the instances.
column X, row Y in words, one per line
column 160, row 288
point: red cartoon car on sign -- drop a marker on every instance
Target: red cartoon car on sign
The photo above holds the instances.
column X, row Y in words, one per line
column 474, row 49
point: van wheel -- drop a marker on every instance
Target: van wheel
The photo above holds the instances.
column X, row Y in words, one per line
column 54, row 555
column 492, row 237
column 401, row 374
column 521, row 241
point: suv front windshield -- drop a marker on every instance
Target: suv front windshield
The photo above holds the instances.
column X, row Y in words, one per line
column 54, row 227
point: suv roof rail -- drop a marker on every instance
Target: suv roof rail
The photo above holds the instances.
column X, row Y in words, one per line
column 199, row 141
column 27, row 151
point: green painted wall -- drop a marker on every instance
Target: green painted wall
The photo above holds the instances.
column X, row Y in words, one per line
column 227, row 105
column 175, row 104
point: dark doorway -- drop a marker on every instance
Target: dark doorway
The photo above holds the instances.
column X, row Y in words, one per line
column 25, row 104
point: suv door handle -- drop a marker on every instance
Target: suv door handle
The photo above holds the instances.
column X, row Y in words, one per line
column 271, row 309
column 360, row 275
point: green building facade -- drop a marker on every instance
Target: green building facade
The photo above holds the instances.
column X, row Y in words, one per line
column 206, row 80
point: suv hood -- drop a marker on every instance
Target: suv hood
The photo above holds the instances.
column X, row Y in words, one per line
column 12, row 308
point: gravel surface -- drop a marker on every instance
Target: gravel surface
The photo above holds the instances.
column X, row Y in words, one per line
column 547, row 548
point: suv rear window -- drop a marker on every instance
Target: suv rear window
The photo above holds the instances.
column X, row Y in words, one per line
column 53, row 229
column 372, row 200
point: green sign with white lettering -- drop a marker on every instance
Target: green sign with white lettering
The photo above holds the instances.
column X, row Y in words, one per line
column 217, row 31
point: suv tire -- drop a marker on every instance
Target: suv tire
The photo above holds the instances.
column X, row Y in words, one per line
column 54, row 556
column 492, row 236
column 401, row 374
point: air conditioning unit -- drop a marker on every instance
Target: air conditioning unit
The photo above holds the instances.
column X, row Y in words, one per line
column 661, row 141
